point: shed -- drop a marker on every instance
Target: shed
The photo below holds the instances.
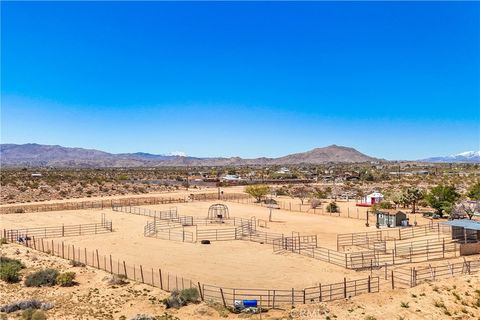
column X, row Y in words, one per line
column 391, row 219
column 465, row 230
column 468, row 234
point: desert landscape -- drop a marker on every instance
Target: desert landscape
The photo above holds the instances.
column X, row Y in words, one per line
column 205, row 160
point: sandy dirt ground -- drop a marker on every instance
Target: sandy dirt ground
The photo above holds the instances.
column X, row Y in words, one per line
column 94, row 298
column 223, row 263
column 226, row 263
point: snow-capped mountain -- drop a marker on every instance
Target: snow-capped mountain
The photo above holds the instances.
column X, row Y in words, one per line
column 464, row 157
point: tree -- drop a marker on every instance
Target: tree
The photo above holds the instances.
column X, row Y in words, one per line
column 300, row 192
column 412, row 196
column 467, row 208
column 442, row 198
column 474, row 192
column 258, row 191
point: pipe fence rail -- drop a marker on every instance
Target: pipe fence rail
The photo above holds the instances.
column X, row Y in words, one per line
column 370, row 238
column 13, row 235
column 411, row 277
column 110, row 203
column 270, row 298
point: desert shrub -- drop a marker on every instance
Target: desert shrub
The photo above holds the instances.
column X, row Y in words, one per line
column 47, row 277
column 181, row 298
column 314, row 203
column 9, row 269
column 3, row 241
column 66, row 279
column 25, row 304
column 332, row 207
column 32, row 314
column 74, row 263
column 118, row 280
column 16, row 262
column 9, row 273
column 386, row 205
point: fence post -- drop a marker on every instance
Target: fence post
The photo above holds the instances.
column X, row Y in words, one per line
column 111, row 264
column 161, row 280
column 293, row 297
column 369, row 285
column 320, row 292
column 304, row 296
column 98, row 259
column 200, row 291
column 125, row 269
column 345, row 287
column 223, row 298
column 393, row 282
column 141, row 273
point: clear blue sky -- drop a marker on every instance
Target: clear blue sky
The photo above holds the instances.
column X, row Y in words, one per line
column 394, row 80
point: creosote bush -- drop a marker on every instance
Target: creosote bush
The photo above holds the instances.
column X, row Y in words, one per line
column 66, row 279
column 47, row 277
column 332, row 207
column 181, row 298
column 9, row 269
column 118, row 280
column 32, row 314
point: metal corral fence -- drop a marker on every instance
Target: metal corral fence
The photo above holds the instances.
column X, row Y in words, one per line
column 104, row 203
column 369, row 239
column 271, row 298
column 58, row 231
column 411, row 277
column 168, row 281
column 356, row 213
column 414, row 251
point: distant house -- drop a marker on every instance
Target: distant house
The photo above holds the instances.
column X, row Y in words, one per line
column 371, row 199
column 283, row 171
column 36, row 174
column 231, row 177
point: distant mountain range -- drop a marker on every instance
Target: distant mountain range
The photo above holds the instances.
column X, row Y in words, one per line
column 464, row 157
column 57, row 156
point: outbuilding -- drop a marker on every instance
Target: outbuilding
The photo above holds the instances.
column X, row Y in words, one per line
column 391, row 219
column 371, row 199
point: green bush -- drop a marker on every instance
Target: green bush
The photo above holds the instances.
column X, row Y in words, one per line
column 181, row 298
column 47, row 277
column 190, row 294
column 9, row 269
column 386, row 205
column 66, row 279
column 332, row 207
column 39, row 315
column 32, row 314
column 9, row 273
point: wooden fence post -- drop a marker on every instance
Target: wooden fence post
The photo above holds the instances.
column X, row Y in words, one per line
column 161, row 280
column 393, row 284
column 125, row 269
column 345, row 288
column 141, row 273
column 369, row 285
column 293, row 297
column 200, row 291
column 98, row 259
column 223, row 298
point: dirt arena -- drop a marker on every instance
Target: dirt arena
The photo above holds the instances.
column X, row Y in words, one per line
column 227, row 263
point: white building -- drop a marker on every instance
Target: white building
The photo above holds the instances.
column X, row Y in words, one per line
column 371, row 199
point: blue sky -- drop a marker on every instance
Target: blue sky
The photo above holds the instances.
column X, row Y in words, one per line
column 394, row 80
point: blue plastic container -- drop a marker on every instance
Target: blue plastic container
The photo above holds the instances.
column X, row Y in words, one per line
column 250, row 303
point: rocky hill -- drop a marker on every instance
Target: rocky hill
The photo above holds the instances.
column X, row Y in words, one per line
column 57, row 156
